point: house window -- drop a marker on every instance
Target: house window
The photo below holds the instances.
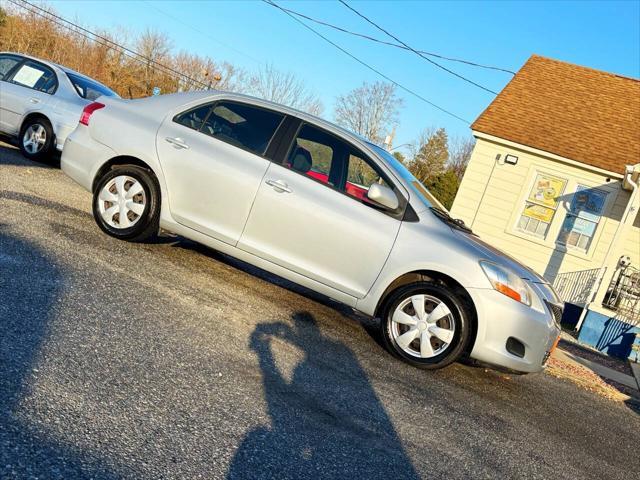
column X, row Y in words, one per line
column 541, row 205
column 582, row 218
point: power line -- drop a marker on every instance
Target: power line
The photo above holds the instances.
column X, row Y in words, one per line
column 100, row 40
column 392, row 44
column 363, row 63
column 202, row 33
column 364, row 17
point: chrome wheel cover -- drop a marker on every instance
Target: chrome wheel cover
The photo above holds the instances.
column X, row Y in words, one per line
column 422, row 326
column 34, row 138
column 121, row 202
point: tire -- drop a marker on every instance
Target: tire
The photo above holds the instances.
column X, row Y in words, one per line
column 36, row 139
column 140, row 203
column 447, row 336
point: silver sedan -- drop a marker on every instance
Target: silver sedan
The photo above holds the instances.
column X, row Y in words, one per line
column 309, row 201
column 41, row 102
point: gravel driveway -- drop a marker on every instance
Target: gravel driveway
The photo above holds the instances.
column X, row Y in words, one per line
column 170, row 360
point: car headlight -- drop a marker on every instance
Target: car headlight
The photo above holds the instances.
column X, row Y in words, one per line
column 507, row 282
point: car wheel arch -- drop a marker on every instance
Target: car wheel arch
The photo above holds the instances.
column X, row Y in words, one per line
column 439, row 277
column 34, row 115
column 120, row 161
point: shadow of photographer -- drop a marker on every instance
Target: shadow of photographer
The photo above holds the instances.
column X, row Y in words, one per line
column 327, row 422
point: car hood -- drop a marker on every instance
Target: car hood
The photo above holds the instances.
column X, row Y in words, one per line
column 495, row 255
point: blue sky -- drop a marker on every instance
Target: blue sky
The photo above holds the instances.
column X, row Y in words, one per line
column 602, row 35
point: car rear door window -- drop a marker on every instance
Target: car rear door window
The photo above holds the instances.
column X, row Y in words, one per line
column 36, row 76
column 7, row 62
column 244, row 126
column 193, row 118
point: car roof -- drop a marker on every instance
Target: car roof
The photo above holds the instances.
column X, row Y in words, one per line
column 56, row 65
column 175, row 99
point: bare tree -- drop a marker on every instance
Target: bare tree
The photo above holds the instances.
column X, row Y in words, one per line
column 155, row 47
column 460, row 149
column 285, row 88
column 202, row 72
column 370, row 110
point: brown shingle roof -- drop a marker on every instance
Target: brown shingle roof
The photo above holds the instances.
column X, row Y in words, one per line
column 579, row 113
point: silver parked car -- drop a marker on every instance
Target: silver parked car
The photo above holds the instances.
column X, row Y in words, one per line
column 40, row 102
column 311, row 202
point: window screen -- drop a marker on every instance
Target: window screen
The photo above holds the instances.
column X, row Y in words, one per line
column 582, row 219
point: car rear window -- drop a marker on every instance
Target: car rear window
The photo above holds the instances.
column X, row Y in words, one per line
column 89, row 89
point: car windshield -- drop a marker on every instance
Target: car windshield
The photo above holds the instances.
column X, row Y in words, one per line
column 89, row 89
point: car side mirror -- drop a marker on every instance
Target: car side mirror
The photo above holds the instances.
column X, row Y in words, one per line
column 383, row 196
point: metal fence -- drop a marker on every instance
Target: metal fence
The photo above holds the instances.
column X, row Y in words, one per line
column 574, row 287
column 623, row 294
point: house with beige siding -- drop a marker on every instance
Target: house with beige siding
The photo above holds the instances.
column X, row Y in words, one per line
column 553, row 181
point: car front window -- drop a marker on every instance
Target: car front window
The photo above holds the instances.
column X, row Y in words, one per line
column 416, row 186
column 7, row 62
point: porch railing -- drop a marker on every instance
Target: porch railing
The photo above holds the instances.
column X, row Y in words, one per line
column 574, row 287
column 623, row 294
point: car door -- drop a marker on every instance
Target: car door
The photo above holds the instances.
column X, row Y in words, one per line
column 214, row 157
column 311, row 214
column 28, row 88
column 7, row 64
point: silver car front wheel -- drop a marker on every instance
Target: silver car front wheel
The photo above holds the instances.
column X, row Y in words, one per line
column 426, row 323
column 422, row 326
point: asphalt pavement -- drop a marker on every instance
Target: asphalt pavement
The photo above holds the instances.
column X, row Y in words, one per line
column 170, row 360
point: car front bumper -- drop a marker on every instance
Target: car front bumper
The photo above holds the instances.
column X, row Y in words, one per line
column 500, row 318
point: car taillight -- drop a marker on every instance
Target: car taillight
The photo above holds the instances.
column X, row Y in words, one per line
column 88, row 111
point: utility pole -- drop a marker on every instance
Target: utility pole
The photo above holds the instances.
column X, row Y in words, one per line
column 388, row 141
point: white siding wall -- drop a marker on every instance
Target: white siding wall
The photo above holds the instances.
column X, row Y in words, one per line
column 493, row 207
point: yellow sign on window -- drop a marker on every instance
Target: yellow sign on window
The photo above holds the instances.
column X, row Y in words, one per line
column 546, row 190
column 538, row 212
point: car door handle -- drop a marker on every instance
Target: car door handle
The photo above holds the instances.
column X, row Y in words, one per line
column 34, row 100
column 177, row 142
column 279, row 186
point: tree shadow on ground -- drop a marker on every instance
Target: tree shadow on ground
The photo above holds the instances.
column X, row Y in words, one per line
column 327, row 422
column 29, row 288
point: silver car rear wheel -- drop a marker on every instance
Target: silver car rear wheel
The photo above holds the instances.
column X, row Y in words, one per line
column 422, row 326
column 121, row 202
column 34, row 138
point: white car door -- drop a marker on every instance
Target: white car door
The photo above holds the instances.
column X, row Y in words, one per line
column 311, row 215
column 214, row 157
column 29, row 88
